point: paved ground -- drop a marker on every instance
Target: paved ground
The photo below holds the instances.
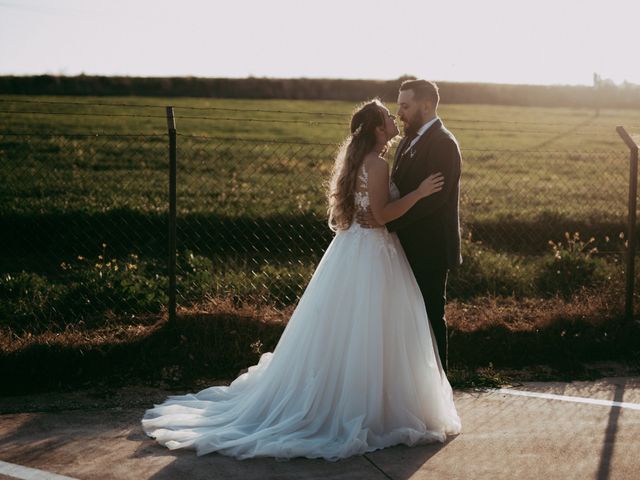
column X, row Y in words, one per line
column 582, row 430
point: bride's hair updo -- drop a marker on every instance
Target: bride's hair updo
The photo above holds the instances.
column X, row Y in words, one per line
column 349, row 158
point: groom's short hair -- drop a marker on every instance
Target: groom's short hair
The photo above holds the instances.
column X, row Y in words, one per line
column 422, row 90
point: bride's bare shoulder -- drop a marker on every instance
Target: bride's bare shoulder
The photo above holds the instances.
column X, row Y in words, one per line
column 372, row 161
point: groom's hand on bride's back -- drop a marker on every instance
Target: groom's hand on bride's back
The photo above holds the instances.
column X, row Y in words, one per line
column 366, row 220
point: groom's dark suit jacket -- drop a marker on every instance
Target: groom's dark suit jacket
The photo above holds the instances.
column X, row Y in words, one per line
column 430, row 231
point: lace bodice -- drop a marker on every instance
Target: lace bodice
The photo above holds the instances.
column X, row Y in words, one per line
column 362, row 193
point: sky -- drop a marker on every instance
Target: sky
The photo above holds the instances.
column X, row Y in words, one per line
column 498, row 41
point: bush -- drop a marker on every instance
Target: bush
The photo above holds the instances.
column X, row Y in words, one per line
column 125, row 286
column 195, row 277
column 485, row 271
column 273, row 284
column 25, row 296
column 84, row 290
column 571, row 268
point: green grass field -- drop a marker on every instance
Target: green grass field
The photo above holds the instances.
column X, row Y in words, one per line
column 534, row 159
column 251, row 206
column 475, row 126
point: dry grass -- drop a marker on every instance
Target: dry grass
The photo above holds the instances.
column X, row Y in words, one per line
column 217, row 339
column 531, row 314
column 516, row 315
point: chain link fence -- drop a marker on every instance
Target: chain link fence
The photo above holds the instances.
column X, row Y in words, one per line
column 251, row 218
column 85, row 222
column 261, row 222
column 516, row 201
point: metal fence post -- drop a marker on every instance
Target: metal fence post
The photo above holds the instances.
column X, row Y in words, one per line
column 631, row 228
column 171, row 125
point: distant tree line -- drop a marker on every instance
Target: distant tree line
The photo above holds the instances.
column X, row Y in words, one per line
column 601, row 95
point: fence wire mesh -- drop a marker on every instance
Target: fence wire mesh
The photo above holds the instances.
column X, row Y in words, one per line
column 85, row 228
column 85, row 221
column 254, row 223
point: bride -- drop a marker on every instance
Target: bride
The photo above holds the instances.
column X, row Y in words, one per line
column 356, row 368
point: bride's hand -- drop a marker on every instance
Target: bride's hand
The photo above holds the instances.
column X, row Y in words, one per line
column 432, row 184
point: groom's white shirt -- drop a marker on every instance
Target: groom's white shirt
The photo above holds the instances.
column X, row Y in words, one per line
column 423, row 129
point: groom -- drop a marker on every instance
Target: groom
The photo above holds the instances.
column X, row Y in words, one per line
column 430, row 231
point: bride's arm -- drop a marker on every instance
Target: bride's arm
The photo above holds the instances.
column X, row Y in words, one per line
column 382, row 209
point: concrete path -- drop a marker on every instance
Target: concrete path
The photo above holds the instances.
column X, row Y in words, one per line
column 579, row 430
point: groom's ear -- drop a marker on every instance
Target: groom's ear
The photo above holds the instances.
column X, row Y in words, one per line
column 427, row 105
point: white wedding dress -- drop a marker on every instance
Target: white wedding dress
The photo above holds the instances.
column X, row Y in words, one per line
column 355, row 370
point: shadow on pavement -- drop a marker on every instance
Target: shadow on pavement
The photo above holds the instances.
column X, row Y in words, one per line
column 606, row 456
column 403, row 460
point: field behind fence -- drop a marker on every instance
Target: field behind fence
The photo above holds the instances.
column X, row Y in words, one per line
column 84, row 203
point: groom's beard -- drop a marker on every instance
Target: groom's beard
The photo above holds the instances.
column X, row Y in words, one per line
column 413, row 125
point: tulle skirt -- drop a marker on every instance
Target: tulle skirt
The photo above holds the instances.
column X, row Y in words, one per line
column 355, row 370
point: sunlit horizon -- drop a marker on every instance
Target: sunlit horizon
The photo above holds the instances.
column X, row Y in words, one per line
column 496, row 41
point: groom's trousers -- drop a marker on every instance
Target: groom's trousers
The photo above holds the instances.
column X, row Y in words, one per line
column 433, row 284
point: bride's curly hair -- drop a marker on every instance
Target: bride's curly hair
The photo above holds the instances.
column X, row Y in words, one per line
column 342, row 185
